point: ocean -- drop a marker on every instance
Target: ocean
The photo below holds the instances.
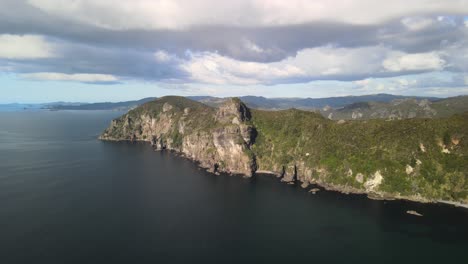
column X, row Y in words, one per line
column 66, row 197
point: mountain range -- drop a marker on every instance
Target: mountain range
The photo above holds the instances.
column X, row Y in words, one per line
column 384, row 106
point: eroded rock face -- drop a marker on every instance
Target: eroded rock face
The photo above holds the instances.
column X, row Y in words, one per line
column 219, row 139
column 234, row 111
column 373, row 183
column 224, row 139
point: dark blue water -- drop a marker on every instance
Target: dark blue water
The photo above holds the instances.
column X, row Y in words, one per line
column 66, row 197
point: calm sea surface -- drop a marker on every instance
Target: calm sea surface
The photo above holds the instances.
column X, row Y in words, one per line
column 66, row 197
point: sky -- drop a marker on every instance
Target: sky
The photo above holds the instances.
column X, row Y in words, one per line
column 106, row 50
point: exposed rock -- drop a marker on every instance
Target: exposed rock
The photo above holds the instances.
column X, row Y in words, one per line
column 445, row 150
column 409, row 169
column 225, row 148
column 314, row 190
column 233, row 108
column 356, row 115
column 289, row 173
column 422, row 148
column 225, row 140
column 412, row 212
column 373, row 183
column 360, row 177
column 167, row 107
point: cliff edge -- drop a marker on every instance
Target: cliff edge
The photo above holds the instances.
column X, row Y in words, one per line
column 417, row 159
column 219, row 139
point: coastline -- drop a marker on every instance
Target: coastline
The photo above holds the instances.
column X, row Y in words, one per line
column 326, row 186
column 456, row 204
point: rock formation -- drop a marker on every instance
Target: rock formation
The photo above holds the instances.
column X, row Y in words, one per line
column 218, row 139
column 402, row 159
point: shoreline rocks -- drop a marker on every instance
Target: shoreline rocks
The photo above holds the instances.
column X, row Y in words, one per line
column 314, row 190
column 224, row 140
column 412, row 212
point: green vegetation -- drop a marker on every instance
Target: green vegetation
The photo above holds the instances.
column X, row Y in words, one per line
column 294, row 136
column 418, row 156
column 400, row 109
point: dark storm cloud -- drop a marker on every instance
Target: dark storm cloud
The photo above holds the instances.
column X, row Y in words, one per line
column 79, row 58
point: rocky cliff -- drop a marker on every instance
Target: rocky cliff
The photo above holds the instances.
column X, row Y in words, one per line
column 219, row 139
column 417, row 159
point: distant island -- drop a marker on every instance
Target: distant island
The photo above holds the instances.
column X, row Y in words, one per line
column 419, row 159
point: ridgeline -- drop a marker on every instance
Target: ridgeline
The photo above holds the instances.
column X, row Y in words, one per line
column 419, row 159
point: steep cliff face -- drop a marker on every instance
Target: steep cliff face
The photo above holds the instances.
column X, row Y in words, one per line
column 418, row 159
column 219, row 139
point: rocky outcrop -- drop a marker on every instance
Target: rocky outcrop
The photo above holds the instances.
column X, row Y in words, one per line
column 385, row 160
column 218, row 139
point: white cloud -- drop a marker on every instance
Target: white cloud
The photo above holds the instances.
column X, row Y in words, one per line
column 249, row 45
column 332, row 61
column 322, row 63
column 216, row 69
column 177, row 14
column 162, row 56
column 24, row 47
column 417, row 23
column 80, row 77
column 414, row 62
column 326, row 62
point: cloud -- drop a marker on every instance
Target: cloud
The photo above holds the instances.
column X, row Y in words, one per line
column 244, row 43
column 81, row 77
column 24, row 47
column 260, row 31
column 424, row 83
column 414, row 62
column 322, row 63
column 215, row 69
column 145, row 14
column 417, row 23
column 162, row 56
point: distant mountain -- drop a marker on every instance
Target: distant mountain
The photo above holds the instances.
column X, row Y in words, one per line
column 260, row 102
column 127, row 105
column 384, row 106
column 399, row 109
column 21, row 107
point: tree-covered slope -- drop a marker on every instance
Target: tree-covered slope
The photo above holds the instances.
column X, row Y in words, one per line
column 413, row 157
column 399, row 109
column 418, row 159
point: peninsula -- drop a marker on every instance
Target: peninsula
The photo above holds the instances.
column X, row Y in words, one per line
column 419, row 159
